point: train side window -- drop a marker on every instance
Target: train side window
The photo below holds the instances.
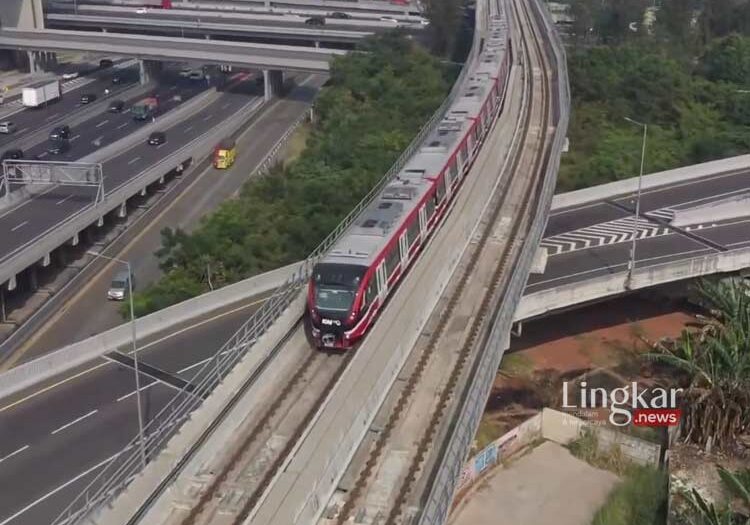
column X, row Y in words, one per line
column 370, row 293
column 412, row 231
column 464, row 153
column 453, row 169
column 477, row 131
column 440, row 190
column 391, row 260
column 430, row 207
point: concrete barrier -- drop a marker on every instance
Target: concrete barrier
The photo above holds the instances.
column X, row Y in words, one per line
column 662, row 178
column 730, row 208
column 540, row 303
column 67, row 358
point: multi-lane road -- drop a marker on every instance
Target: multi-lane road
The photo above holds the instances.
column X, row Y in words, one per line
column 52, row 442
column 37, row 215
column 594, row 239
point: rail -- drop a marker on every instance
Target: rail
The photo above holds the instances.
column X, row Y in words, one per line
column 437, row 503
column 126, row 465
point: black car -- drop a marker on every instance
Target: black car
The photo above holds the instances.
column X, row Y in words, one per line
column 316, row 21
column 58, row 147
column 60, row 133
column 105, row 63
column 340, row 15
column 157, row 138
column 12, row 154
column 116, row 106
column 87, row 98
column 116, row 79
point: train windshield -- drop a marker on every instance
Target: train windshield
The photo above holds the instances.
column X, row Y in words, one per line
column 336, row 285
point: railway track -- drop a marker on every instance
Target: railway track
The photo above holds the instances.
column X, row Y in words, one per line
column 266, row 440
column 530, row 158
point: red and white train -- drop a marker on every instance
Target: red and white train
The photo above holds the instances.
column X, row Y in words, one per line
column 352, row 282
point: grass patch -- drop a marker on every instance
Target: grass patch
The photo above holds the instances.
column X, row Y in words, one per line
column 489, row 430
column 296, row 144
column 639, row 499
column 517, row 365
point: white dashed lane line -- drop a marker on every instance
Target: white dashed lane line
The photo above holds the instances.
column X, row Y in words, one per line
column 14, row 453
column 133, row 161
column 77, row 420
column 18, row 226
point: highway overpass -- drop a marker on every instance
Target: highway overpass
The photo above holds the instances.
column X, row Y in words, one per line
column 158, row 48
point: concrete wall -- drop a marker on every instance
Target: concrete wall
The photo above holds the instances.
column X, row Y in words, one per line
column 555, row 426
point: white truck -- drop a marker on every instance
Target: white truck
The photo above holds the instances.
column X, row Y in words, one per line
column 40, row 93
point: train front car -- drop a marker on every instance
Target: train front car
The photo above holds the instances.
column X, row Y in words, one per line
column 331, row 303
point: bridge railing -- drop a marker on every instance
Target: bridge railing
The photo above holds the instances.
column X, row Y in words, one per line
column 455, row 450
column 124, row 467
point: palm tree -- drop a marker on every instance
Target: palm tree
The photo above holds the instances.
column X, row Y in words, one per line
column 716, row 360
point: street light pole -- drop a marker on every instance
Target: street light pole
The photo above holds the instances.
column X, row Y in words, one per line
column 631, row 263
column 142, row 442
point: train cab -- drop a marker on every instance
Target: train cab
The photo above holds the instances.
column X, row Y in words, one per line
column 331, row 297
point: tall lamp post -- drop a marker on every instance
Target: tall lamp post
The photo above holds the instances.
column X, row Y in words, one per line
column 135, row 351
column 631, row 263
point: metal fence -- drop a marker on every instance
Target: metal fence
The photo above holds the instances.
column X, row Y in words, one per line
column 124, row 467
column 471, row 406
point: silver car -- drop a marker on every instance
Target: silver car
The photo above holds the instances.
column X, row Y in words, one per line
column 118, row 290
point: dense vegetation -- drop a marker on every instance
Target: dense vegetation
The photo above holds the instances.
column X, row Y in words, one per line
column 370, row 110
column 686, row 74
column 716, row 362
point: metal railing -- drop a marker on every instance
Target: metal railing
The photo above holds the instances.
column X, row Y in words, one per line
column 124, row 467
column 473, row 401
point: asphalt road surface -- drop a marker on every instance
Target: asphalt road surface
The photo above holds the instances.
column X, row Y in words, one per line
column 54, row 439
column 595, row 239
column 30, row 120
column 45, row 210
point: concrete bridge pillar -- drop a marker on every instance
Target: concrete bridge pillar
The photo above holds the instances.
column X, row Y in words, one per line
column 148, row 70
column 33, row 279
column 273, row 81
column 34, row 61
column 122, row 212
column 22, row 14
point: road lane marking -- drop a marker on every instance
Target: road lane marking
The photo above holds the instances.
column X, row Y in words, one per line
column 23, row 129
column 53, row 385
column 52, row 117
column 102, row 123
column 122, row 125
column 61, row 487
column 161, row 145
column 14, row 228
column 267, row 111
column 141, row 389
column 225, row 106
column 42, row 155
column 133, row 161
column 74, row 137
column 77, row 420
column 63, row 200
column 207, row 117
column 188, row 129
column 14, row 453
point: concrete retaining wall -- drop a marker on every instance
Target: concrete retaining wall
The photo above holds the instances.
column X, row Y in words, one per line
column 558, row 427
column 48, row 366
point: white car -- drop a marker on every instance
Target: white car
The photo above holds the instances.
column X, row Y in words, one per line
column 70, row 76
column 141, row 11
column 185, row 71
column 388, row 19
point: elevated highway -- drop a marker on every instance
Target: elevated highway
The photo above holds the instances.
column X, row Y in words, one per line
column 589, row 236
column 160, row 48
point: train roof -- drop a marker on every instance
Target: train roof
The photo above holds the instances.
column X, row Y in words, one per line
column 372, row 230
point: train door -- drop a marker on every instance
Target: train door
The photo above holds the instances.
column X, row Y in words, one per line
column 382, row 281
column 404, row 247
column 422, row 222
